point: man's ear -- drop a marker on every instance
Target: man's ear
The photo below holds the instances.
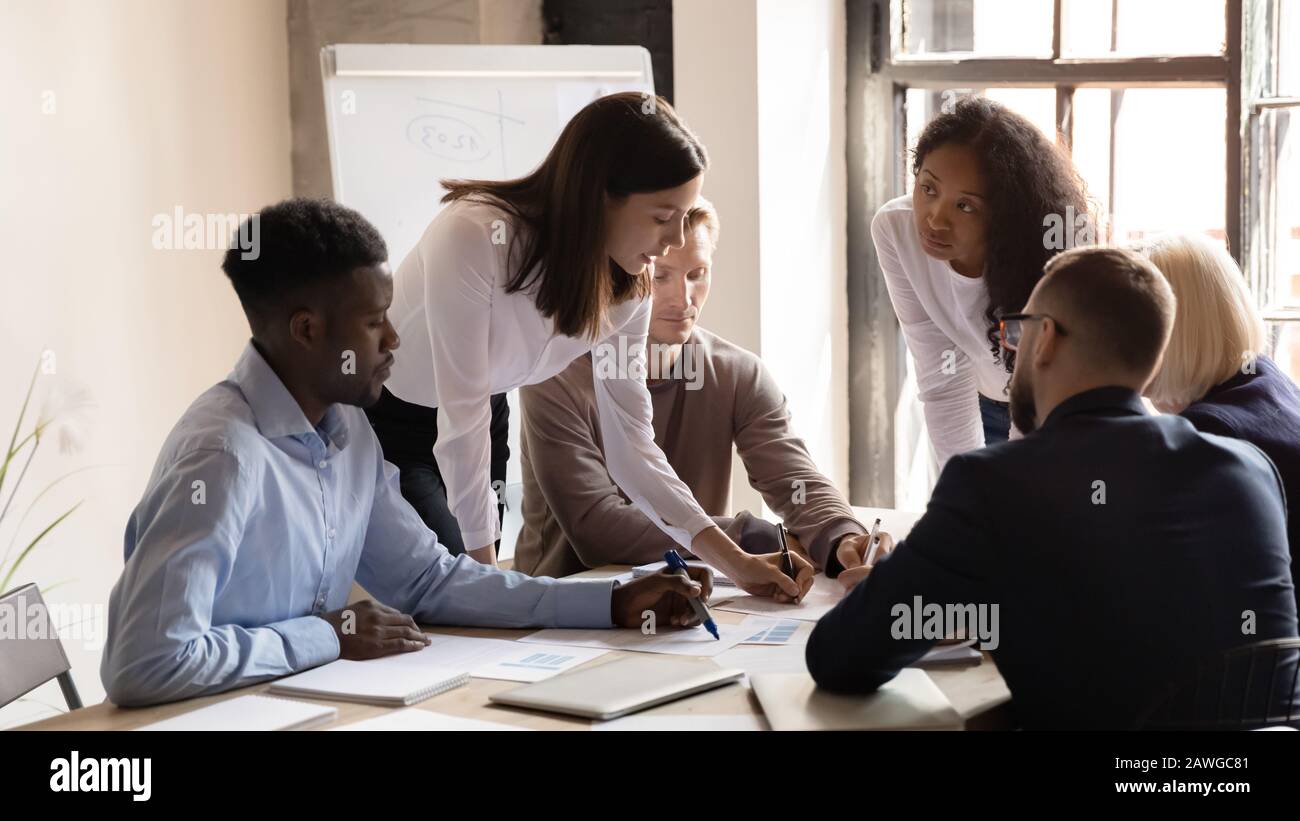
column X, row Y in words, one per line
column 1045, row 348
column 305, row 328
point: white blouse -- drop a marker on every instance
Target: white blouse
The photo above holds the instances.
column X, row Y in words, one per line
column 464, row 338
column 941, row 313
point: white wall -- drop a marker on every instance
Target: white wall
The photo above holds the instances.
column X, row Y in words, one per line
column 803, row 209
column 156, row 104
column 762, row 83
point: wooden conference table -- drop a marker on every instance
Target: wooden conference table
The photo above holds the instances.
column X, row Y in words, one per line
column 977, row 691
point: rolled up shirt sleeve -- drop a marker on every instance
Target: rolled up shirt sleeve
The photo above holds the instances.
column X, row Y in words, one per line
column 782, row 470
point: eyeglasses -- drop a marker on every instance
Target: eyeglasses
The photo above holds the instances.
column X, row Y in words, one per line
column 1011, row 327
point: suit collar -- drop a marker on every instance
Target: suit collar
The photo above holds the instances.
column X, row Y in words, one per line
column 1112, row 400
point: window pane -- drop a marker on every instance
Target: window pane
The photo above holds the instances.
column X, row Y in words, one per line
column 982, row 28
column 1142, row 27
column 1038, row 105
column 1286, row 351
column 1279, row 188
column 1170, row 157
column 1091, row 150
column 1288, row 61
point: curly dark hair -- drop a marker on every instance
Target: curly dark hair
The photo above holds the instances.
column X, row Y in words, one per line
column 1028, row 177
column 299, row 243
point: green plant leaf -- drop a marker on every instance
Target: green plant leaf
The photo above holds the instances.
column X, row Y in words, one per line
column 32, row 505
column 22, row 413
column 4, row 585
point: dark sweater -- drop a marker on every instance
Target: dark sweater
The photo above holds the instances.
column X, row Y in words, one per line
column 1262, row 408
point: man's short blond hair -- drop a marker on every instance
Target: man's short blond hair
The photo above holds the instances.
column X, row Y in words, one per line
column 704, row 215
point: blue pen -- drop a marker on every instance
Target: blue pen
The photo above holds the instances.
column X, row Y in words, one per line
column 676, row 565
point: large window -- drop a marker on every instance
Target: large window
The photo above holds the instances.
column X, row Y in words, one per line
column 1136, row 90
column 1178, row 114
column 1271, row 83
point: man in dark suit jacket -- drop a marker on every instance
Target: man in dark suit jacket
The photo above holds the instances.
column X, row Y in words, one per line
column 1109, row 549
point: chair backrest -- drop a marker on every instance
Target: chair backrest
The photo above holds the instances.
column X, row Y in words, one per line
column 1245, row 688
column 30, row 651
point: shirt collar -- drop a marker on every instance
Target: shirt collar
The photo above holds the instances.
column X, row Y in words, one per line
column 1113, row 400
column 275, row 410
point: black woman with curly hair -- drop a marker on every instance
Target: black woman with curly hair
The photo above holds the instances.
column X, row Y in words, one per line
column 966, row 247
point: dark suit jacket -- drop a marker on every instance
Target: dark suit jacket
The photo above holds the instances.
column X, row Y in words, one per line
column 1262, row 407
column 1119, row 548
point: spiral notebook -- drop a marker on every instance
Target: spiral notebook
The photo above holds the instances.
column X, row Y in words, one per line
column 392, row 681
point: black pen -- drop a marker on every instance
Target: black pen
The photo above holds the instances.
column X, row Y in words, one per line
column 787, row 566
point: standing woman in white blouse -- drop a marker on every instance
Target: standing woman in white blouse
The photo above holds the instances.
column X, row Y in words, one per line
column 965, row 248
column 514, row 280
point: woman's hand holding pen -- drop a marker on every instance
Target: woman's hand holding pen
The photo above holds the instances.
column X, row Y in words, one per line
column 769, row 567
column 757, row 575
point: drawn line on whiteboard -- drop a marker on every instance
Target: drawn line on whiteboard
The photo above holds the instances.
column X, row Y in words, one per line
column 472, row 108
column 501, row 133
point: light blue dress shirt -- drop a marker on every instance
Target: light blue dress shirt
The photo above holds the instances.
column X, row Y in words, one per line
column 254, row 523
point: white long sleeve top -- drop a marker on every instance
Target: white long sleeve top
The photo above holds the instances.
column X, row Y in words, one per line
column 941, row 313
column 465, row 338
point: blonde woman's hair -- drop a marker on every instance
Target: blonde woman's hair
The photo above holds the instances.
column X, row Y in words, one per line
column 1217, row 329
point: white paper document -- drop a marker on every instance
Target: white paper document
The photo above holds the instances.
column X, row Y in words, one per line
column 755, row 659
column 687, row 641
column 400, row 679
column 535, row 662
column 963, row 653
column 719, row 580
column 824, row 595
column 777, row 631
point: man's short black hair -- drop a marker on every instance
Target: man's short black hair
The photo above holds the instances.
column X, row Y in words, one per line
column 299, row 244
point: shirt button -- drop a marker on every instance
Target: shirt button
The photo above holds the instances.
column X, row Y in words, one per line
column 332, row 532
column 321, row 464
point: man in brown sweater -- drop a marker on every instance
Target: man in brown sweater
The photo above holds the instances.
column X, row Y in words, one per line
column 708, row 394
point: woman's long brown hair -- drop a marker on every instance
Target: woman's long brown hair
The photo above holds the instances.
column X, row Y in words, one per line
column 627, row 143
